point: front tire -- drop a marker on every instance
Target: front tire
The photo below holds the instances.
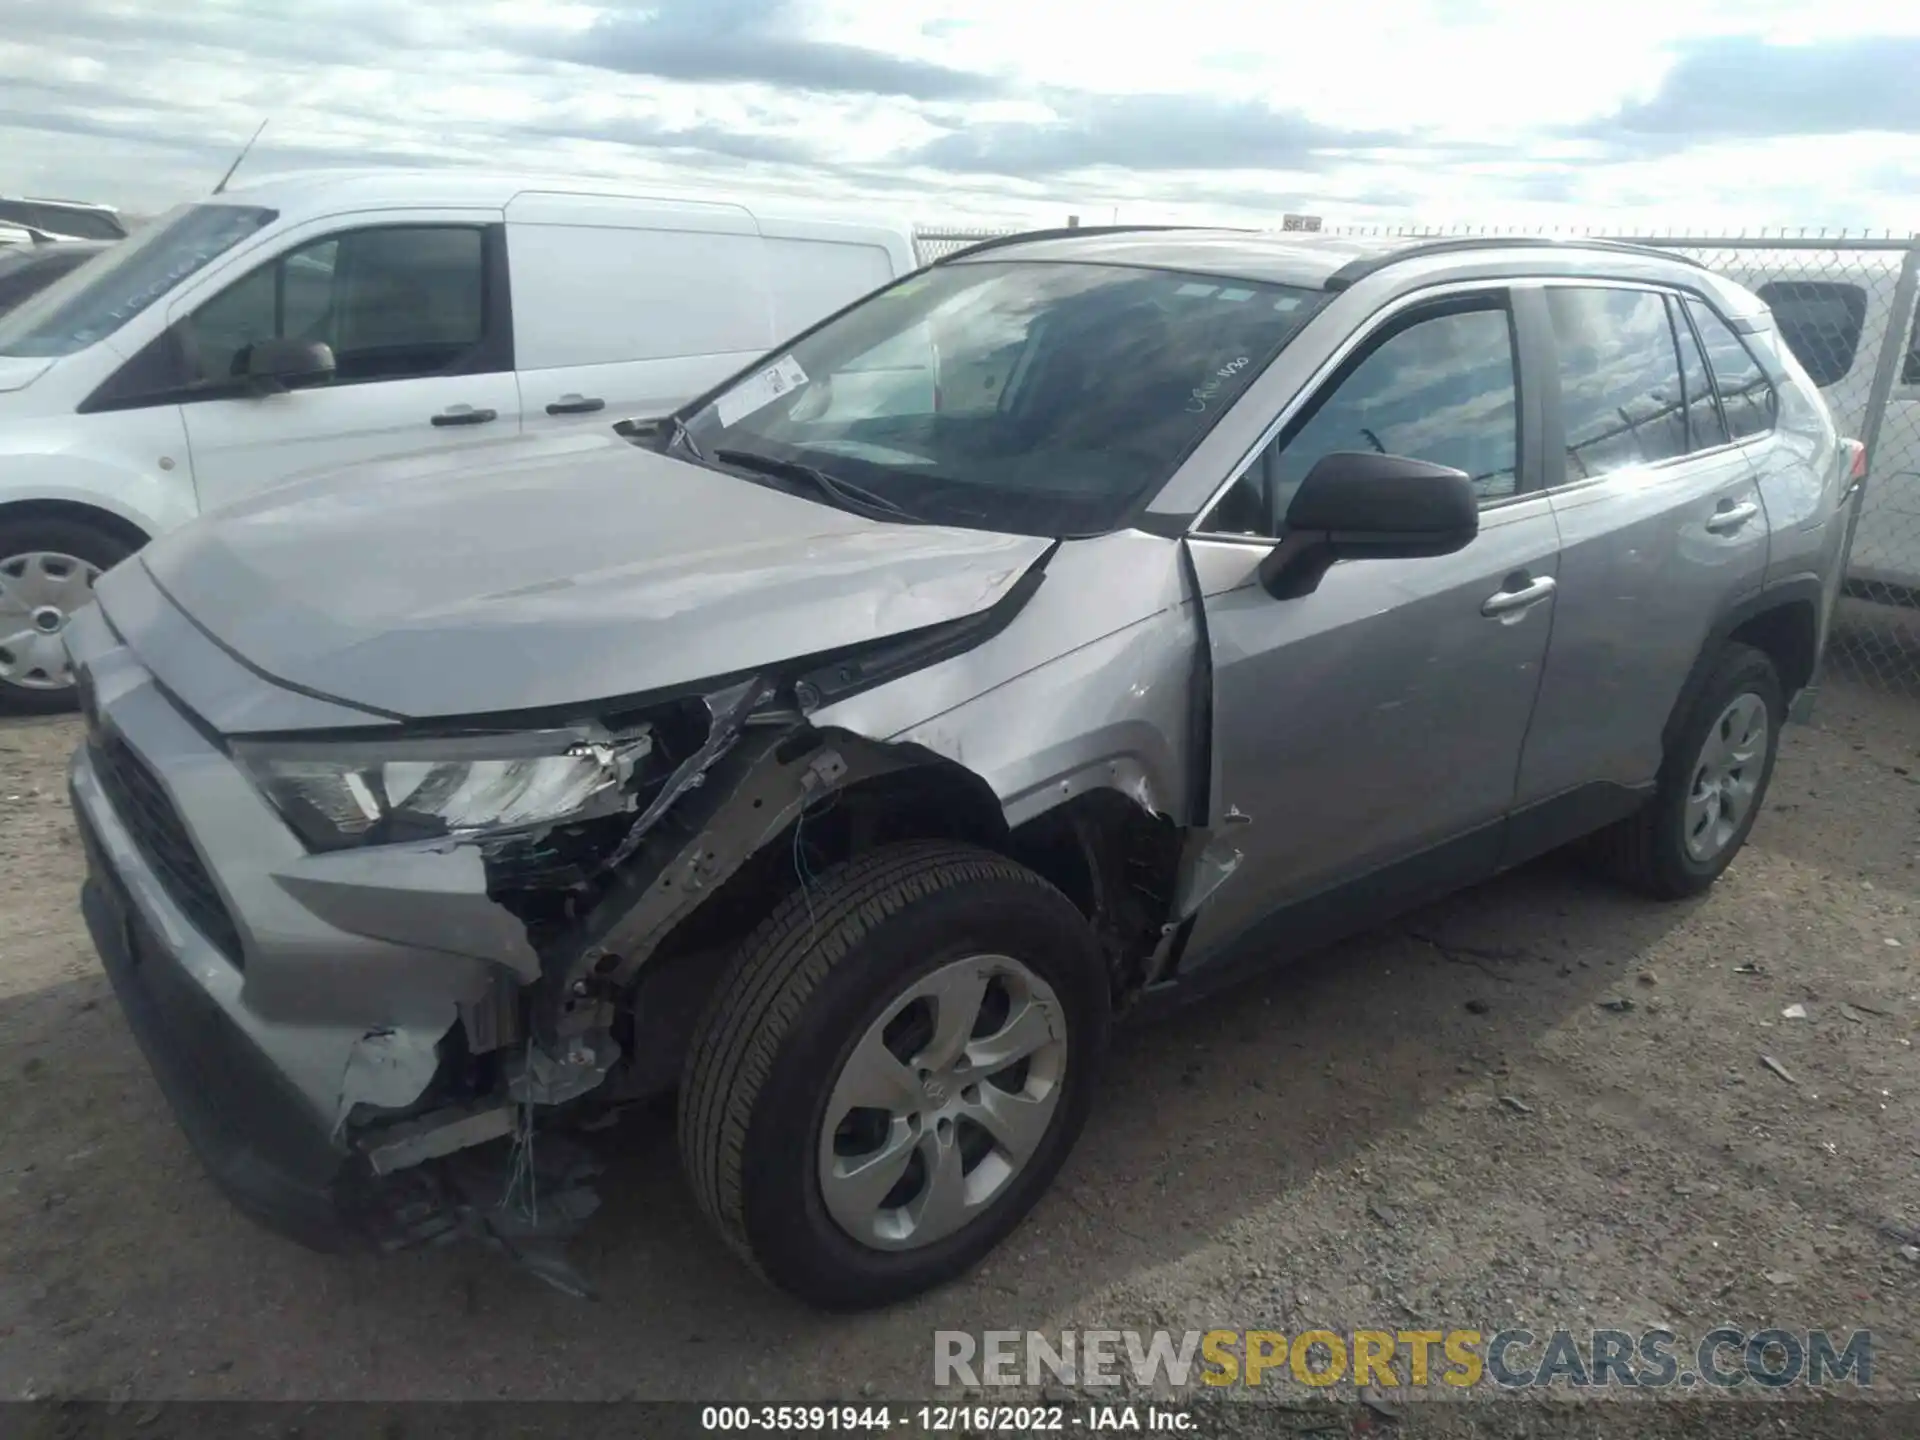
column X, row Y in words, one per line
column 1711, row 786
column 47, row 568
column 892, row 1071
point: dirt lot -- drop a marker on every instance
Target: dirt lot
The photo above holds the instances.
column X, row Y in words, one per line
column 1332, row 1146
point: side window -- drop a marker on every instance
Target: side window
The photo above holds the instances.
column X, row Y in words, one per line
column 1705, row 427
column 1746, row 395
column 1821, row 323
column 1438, row 388
column 1620, row 399
column 394, row 303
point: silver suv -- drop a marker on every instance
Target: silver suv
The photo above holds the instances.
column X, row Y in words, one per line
column 1071, row 625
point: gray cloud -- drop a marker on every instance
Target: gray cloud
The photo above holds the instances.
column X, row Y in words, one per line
column 1144, row 132
column 713, row 140
column 329, row 31
column 1740, row 88
column 730, row 41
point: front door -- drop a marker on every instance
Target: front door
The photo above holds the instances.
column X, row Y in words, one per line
column 1366, row 736
column 421, row 344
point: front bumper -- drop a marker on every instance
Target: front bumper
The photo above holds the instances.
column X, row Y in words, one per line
column 249, row 1132
column 285, row 1001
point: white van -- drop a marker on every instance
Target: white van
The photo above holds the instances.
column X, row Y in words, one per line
column 323, row 319
column 1834, row 310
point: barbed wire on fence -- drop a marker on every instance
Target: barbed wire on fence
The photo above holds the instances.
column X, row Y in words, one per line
column 1846, row 302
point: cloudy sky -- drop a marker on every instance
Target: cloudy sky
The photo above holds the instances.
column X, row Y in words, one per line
column 1690, row 113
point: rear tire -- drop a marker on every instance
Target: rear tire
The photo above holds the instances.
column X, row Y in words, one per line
column 855, row 960
column 1711, row 786
column 47, row 568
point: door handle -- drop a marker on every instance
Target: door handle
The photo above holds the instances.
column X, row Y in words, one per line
column 576, row 405
column 1508, row 602
column 1730, row 517
column 465, row 415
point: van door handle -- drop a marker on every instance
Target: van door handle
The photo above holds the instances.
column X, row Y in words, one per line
column 1526, row 594
column 576, row 405
column 1730, row 517
column 465, row 415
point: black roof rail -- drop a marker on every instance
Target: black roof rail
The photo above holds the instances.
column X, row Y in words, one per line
column 1021, row 237
column 1355, row 270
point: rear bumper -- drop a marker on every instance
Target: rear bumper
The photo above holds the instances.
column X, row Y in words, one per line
column 250, row 1130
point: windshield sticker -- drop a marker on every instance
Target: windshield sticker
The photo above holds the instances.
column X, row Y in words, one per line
column 1204, row 394
column 760, row 389
column 1287, row 302
column 1236, row 294
column 1194, row 287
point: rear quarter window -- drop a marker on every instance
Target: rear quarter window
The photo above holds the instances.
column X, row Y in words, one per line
column 1820, row 321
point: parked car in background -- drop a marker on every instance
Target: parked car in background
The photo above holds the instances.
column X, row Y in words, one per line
column 317, row 320
column 63, row 219
column 1833, row 310
column 848, row 755
column 26, row 270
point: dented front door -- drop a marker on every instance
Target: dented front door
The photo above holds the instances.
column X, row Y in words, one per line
column 1376, row 719
column 1366, row 736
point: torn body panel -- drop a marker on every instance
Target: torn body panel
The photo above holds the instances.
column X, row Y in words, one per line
column 1090, row 695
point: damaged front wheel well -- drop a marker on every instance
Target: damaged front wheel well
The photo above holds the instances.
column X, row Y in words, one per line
column 931, row 800
column 1118, row 864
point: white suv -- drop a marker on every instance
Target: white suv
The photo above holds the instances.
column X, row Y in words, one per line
column 320, row 320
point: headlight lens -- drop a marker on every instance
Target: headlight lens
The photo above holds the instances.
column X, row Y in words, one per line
column 370, row 793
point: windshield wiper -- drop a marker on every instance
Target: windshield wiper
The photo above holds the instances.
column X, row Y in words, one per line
column 843, row 493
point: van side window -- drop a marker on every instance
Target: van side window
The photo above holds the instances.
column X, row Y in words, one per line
column 1821, row 323
column 1705, row 426
column 393, row 303
column 1621, row 402
column 1438, row 388
column 1746, row 395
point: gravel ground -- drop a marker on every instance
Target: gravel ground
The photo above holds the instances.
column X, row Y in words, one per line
column 1333, row 1145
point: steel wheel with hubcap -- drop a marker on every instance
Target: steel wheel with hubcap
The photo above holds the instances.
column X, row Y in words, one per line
column 38, row 592
column 47, row 570
column 892, row 1070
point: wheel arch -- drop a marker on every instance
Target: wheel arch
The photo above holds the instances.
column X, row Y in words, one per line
column 1114, row 859
column 1782, row 622
column 121, row 527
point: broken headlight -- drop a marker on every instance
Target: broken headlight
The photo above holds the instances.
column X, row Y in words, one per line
column 336, row 796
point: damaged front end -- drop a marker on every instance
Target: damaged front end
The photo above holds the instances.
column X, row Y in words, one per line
column 456, row 949
column 596, row 922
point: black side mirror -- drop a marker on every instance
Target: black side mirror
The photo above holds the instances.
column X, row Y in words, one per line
column 1356, row 505
column 275, row 364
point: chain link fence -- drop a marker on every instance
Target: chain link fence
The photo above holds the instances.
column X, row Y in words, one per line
column 932, row 245
column 1848, row 306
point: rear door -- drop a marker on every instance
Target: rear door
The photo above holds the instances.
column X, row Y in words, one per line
column 625, row 308
column 1373, row 727
column 416, row 313
column 1663, row 530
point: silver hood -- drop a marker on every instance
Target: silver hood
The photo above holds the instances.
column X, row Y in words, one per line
column 553, row 572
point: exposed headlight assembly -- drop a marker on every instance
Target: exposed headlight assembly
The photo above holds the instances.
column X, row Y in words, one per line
column 336, row 796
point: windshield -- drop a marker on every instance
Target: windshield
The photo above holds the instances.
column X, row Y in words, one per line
column 25, row 272
column 1035, row 397
column 98, row 298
